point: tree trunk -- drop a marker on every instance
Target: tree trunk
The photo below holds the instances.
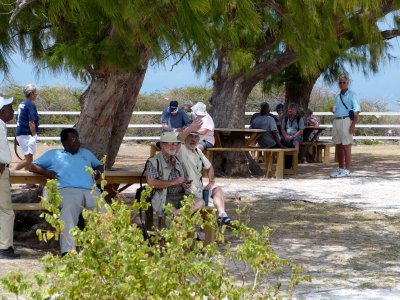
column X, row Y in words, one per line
column 106, row 109
column 228, row 102
column 297, row 88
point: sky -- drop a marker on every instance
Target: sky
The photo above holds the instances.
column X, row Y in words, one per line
column 383, row 86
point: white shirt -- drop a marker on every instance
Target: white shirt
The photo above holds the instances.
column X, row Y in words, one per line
column 208, row 123
column 194, row 162
column 5, row 154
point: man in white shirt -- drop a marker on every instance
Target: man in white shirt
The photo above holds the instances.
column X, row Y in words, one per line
column 6, row 212
column 194, row 162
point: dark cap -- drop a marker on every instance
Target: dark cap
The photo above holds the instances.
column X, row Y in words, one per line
column 279, row 106
column 173, row 106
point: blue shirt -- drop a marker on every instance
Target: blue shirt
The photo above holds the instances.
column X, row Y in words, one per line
column 70, row 168
column 26, row 112
column 351, row 101
column 178, row 120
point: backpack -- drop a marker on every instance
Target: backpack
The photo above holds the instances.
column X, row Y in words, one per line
column 298, row 117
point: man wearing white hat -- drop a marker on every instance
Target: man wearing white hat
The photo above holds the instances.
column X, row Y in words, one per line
column 6, row 213
column 166, row 175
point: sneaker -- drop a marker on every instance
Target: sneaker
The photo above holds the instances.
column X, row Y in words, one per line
column 341, row 173
column 336, row 172
column 225, row 221
column 9, row 254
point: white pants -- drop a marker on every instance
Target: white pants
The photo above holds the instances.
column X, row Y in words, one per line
column 72, row 204
column 6, row 213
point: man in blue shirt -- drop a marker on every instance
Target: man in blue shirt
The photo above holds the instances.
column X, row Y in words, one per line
column 343, row 127
column 27, row 126
column 68, row 166
column 174, row 118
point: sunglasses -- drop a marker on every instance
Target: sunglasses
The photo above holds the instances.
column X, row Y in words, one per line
column 342, row 82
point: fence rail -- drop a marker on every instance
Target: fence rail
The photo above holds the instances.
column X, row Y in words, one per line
column 378, row 115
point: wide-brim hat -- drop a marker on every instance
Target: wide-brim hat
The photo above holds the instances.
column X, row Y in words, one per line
column 4, row 101
column 168, row 137
column 199, row 109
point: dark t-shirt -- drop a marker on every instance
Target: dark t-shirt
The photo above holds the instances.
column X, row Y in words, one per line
column 26, row 112
column 267, row 123
column 179, row 120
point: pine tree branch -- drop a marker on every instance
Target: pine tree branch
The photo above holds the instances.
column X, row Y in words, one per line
column 273, row 66
column 390, row 34
column 20, row 5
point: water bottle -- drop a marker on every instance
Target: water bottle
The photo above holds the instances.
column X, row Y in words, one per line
column 206, row 194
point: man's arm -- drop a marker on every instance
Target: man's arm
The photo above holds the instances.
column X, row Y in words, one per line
column 40, row 170
column 352, row 128
column 32, row 127
column 195, row 125
column 211, row 178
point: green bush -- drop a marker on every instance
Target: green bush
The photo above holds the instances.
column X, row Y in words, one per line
column 115, row 262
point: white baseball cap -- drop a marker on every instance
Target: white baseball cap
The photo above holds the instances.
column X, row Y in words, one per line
column 4, row 101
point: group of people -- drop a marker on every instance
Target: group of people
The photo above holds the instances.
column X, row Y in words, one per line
column 286, row 129
column 177, row 169
column 174, row 172
column 176, row 119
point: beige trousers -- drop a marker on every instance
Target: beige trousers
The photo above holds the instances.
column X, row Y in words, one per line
column 6, row 213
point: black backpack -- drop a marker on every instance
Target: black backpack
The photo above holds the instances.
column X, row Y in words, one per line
column 298, row 117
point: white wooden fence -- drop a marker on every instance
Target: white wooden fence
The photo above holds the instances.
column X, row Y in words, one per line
column 389, row 136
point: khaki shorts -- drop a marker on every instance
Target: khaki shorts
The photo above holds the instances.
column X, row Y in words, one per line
column 340, row 132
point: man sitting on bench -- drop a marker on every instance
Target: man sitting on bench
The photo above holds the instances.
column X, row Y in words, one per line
column 68, row 166
column 194, row 163
column 165, row 173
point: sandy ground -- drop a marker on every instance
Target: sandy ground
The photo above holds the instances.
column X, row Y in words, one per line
column 344, row 231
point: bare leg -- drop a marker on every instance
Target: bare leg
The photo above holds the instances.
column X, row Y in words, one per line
column 340, row 155
column 25, row 163
column 218, row 199
column 347, row 156
column 198, row 204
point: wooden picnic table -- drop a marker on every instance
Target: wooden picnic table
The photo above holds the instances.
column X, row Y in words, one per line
column 251, row 135
column 236, row 133
column 309, row 129
column 114, row 177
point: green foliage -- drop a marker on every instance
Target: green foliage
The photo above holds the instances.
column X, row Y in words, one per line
column 115, row 262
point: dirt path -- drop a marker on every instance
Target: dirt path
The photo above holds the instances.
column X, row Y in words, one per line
column 344, row 231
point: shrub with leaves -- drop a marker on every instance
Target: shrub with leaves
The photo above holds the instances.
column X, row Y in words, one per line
column 115, row 262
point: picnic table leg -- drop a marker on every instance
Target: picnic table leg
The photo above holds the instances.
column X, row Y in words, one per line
column 209, row 231
column 268, row 163
column 327, row 154
column 280, row 165
column 295, row 163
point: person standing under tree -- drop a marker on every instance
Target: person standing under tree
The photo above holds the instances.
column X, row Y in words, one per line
column 27, row 126
column 7, row 215
column 346, row 111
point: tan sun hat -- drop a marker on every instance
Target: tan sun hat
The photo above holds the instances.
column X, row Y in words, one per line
column 168, row 137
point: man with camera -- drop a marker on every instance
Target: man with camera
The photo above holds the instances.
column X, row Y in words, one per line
column 346, row 110
column 166, row 174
